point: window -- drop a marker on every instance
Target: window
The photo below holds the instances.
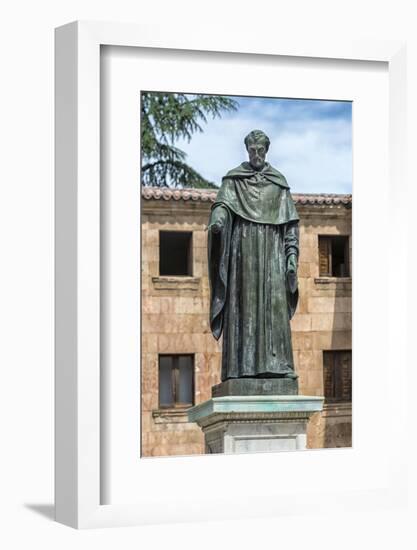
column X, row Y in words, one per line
column 334, row 256
column 175, row 253
column 176, row 381
column 337, row 375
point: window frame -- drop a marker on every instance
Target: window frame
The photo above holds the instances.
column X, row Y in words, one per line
column 335, row 377
column 328, row 240
column 190, row 252
column 175, row 381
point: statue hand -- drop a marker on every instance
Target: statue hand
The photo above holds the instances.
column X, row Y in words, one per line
column 215, row 228
column 292, row 264
column 292, row 273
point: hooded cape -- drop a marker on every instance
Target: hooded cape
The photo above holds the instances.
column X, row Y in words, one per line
column 258, row 196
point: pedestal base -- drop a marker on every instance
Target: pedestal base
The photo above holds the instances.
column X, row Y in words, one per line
column 256, row 386
column 251, row 424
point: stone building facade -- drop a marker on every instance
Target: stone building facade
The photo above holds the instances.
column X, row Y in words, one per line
column 181, row 359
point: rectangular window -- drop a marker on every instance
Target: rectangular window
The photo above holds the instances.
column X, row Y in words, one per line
column 337, row 375
column 176, row 381
column 176, row 253
column 334, row 256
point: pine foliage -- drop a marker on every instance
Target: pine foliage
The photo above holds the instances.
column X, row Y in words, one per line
column 166, row 117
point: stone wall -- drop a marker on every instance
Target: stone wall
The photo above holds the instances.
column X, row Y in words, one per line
column 175, row 320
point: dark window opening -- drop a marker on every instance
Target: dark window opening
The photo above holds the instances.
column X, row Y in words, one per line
column 337, row 375
column 176, row 381
column 334, row 256
column 175, row 253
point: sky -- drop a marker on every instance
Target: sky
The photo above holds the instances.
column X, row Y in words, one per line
column 311, row 142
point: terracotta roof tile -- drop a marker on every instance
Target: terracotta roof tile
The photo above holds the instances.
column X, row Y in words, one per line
column 209, row 195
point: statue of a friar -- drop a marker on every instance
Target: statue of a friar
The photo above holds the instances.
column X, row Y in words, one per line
column 253, row 256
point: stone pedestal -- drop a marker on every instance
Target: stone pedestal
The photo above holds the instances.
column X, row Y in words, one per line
column 256, row 386
column 255, row 423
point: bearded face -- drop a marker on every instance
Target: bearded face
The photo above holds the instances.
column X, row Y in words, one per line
column 257, row 154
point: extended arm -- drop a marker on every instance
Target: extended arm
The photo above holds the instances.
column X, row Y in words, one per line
column 218, row 218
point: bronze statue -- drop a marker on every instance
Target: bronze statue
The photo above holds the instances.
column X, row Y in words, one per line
column 253, row 257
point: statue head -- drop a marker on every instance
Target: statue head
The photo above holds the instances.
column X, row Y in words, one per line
column 257, row 145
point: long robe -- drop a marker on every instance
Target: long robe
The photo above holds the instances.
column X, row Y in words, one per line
column 252, row 296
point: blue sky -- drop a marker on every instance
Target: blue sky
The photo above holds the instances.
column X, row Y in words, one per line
column 311, row 142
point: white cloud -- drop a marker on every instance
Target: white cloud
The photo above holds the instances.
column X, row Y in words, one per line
column 314, row 153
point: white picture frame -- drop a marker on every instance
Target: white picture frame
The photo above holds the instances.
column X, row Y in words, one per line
column 79, row 410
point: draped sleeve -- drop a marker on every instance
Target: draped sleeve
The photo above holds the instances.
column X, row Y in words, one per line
column 291, row 246
column 218, row 264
